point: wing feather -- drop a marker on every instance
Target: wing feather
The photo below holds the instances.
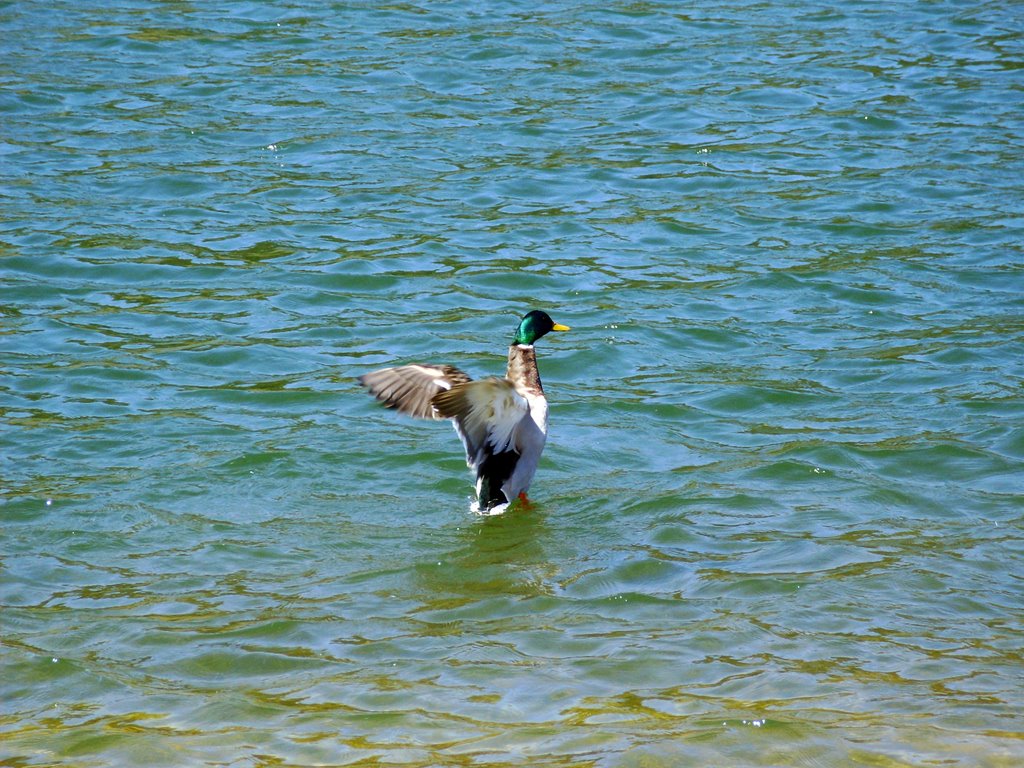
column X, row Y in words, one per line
column 486, row 413
column 410, row 388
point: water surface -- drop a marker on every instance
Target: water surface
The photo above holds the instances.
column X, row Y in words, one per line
column 779, row 519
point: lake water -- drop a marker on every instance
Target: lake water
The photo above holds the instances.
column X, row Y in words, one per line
column 779, row 518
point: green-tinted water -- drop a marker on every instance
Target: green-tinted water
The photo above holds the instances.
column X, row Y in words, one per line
column 778, row 521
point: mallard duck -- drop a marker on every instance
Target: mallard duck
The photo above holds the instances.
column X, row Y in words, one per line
column 503, row 423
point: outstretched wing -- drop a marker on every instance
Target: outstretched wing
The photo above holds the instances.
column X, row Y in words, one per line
column 486, row 413
column 410, row 388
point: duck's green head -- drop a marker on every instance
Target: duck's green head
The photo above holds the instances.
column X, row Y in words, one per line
column 534, row 325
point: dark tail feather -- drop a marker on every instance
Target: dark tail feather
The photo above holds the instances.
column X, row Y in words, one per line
column 493, row 472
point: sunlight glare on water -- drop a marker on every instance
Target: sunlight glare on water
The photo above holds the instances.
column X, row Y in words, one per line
column 778, row 519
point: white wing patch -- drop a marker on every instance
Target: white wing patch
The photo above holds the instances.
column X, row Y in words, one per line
column 437, row 374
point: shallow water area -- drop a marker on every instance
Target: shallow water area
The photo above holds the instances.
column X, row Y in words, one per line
column 779, row 516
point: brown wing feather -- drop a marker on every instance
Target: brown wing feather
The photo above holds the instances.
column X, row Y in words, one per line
column 409, row 388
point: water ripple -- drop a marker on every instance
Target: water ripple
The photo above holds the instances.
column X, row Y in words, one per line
column 778, row 520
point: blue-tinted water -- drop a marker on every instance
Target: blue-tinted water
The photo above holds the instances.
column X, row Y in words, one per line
column 778, row 521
